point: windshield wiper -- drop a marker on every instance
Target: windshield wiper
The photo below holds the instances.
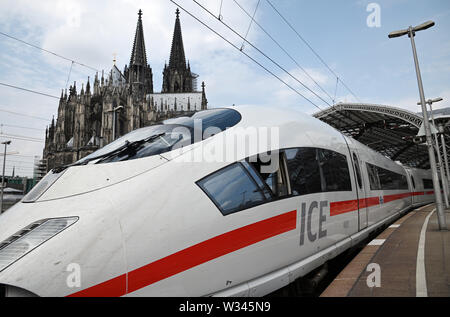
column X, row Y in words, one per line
column 126, row 147
column 129, row 147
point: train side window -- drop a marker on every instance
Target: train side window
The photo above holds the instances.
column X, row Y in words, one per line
column 386, row 179
column 313, row 170
column 383, row 179
column 304, row 172
column 403, row 182
column 334, row 170
column 276, row 180
column 233, row 189
column 358, row 171
column 284, row 186
column 427, row 183
column 373, row 177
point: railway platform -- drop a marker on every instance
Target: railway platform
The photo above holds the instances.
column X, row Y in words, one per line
column 411, row 258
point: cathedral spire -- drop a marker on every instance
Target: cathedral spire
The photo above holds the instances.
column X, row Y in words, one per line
column 204, row 100
column 177, row 77
column 139, row 74
column 138, row 54
column 177, row 58
column 88, row 87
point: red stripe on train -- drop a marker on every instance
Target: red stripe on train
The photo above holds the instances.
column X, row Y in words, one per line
column 193, row 256
column 371, row 201
column 341, row 207
column 389, row 198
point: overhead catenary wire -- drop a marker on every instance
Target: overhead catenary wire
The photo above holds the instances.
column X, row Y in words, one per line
column 50, row 52
column 20, row 167
column 310, row 47
column 248, row 56
column 335, row 90
column 220, row 10
column 20, row 155
column 21, row 127
column 29, row 90
column 21, row 138
column 268, row 57
column 24, row 115
column 15, row 161
column 70, row 72
column 285, row 51
column 25, row 140
column 250, row 24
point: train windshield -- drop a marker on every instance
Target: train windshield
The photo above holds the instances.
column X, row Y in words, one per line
column 172, row 134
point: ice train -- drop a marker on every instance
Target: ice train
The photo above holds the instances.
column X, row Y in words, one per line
column 143, row 217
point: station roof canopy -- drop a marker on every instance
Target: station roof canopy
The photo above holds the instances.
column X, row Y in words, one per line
column 388, row 130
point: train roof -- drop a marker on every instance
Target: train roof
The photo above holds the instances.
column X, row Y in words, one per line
column 316, row 132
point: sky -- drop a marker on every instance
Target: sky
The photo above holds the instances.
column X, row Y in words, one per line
column 349, row 36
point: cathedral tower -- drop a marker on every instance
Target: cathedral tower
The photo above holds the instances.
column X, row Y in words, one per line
column 118, row 103
column 177, row 76
column 139, row 73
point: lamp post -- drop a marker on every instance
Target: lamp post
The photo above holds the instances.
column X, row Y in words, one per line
column 438, row 151
column 411, row 32
column 444, row 150
column 3, row 175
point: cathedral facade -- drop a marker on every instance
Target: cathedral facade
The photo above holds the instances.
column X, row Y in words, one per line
column 124, row 101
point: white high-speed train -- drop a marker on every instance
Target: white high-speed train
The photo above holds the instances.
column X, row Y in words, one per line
column 143, row 216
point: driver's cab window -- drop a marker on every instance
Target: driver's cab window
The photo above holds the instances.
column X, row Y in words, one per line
column 247, row 184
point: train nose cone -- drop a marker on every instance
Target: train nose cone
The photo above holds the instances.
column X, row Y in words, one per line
column 78, row 180
column 93, row 244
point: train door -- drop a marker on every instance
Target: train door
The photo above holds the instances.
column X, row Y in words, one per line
column 411, row 185
column 361, row 191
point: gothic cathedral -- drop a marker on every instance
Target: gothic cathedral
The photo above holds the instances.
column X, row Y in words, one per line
column 85, row 120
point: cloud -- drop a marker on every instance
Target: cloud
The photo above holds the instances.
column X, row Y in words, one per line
column 90, row 32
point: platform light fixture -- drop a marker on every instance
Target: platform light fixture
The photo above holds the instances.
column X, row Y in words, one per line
column 444, row 179
column 411, row 32
column 6, row 143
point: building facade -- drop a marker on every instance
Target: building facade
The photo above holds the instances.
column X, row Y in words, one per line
column 84, row 121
